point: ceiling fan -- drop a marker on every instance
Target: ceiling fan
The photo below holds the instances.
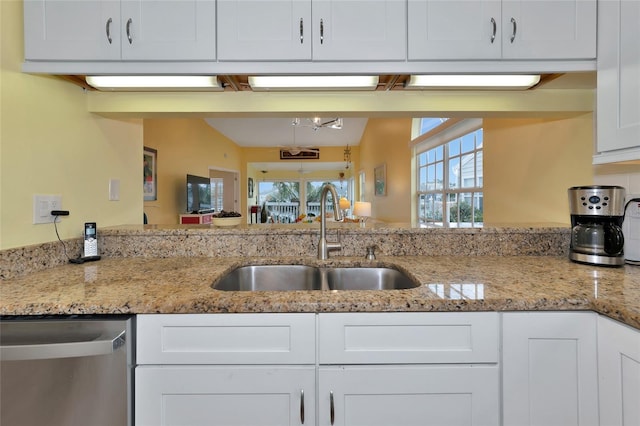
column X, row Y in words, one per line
column 317, row 123
column 295, row 149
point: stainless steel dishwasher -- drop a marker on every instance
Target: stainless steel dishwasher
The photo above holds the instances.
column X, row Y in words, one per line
column 66, row 371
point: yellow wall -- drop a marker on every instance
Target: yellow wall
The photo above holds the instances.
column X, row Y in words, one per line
column 50, row 144
column 530, row 163
column 186, row 146
column 386, row 141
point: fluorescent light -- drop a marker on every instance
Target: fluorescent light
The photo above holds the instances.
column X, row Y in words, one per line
column 461, row 81
column 313, row 82
column 155, row 82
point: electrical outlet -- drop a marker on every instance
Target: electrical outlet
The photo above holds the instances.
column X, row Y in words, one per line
column 42, row 206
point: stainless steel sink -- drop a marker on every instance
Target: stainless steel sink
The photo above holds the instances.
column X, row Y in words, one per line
column 271, row 278
column 300, row 277
column 367, row 279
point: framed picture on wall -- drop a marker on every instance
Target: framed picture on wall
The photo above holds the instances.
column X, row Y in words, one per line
column 380, row 180
column 150, row 174
column 250, row 188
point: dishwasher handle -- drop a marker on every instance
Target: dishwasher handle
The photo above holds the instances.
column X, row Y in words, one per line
column 105, row 344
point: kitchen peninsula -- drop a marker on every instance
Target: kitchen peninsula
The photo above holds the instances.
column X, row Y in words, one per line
column 492, row 304
column 156, row 269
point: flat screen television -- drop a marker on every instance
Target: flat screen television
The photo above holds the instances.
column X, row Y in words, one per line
column 198, row 194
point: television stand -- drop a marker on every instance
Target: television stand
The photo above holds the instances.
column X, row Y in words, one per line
column 196, row 219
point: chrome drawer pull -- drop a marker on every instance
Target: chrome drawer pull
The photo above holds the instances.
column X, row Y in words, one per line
column 129, row 22
column 515, row 28
column 302, row 406
column 495, row 27
column 301, row 31
column 108, row 29
column 321, row 31
column 332, row 412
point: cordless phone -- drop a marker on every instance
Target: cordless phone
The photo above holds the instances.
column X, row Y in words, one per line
column 90, row 249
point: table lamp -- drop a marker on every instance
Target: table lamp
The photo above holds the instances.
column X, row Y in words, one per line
column 362, row 210
column 344, row 204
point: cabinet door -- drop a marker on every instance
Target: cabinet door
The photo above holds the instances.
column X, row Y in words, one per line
column 409, row 395
column 459, row 29
column 260, row 30
column 177, row 30
column 550, row 369
column 68, row 30
column 619, row 371
column 238, row 396
column 549, row 29
column 359, row 30
column 618, row 97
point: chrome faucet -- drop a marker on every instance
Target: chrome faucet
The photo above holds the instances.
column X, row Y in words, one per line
column 324, row 247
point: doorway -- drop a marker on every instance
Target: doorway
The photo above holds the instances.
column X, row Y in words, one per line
column 225, row 191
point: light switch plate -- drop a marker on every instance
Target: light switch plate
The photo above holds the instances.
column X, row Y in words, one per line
column 114, row 189
column 42, row 206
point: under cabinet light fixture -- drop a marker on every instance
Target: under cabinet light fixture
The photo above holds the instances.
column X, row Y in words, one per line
column 469, row 82
column 176, row 83
column 313, row 82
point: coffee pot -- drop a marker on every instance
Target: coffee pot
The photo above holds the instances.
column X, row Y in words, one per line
column 597, row 214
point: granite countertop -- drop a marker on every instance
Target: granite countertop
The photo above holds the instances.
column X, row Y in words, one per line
column 133, row 285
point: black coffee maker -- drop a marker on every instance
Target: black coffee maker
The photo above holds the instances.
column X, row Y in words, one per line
column 597, row 213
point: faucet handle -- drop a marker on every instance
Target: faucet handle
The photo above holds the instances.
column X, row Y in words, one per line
column 371, row 252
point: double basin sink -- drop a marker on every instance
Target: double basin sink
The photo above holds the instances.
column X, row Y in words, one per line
column 302, row 277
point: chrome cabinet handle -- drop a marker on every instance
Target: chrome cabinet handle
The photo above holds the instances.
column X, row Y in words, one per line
column 301, row 31
column 129, row 22
column 515, row 28
column 302, row 406
column 108, row 30
column 332, row 412
column 493, row 33
column 321, row 31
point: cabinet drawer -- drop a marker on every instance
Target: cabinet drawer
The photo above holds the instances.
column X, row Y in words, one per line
column 397, row 338
column 226, row 339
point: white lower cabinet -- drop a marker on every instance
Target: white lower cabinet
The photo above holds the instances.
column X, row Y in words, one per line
column 549, row 367
column 222, row 395
column 619, row 373
column 409, row 395
column 392, row 369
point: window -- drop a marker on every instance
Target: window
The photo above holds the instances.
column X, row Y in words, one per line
column 283, row 198
column 448, row 163
column 217, row 193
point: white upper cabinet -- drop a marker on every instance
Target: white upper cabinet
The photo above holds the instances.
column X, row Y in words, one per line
column 94, row 30
column 169, row 30
column 618, row 93
column 459, row 29
column 321, row 30
column 258, row 30
column 68, row 30
column 549, row 29
column 508, row 29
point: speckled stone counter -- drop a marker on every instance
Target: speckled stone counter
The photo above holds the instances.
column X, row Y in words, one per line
column 447, row 283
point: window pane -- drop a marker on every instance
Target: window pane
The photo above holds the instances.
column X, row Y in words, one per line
column 454, row 148
column 439, row 176
column 431, row 176
column 429, row 123
column 439, row 153
column 422, row 159
column 467, row 171
column 479, row 138
column 422, row 179
column 468, row 142
column 454, row 169
column 479, row 169
column 478, row 208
